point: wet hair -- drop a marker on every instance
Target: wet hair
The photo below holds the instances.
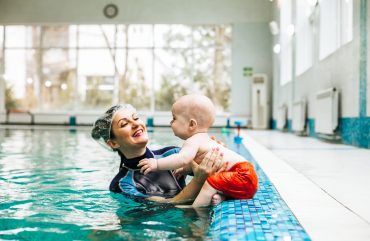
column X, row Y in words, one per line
column 102, row 129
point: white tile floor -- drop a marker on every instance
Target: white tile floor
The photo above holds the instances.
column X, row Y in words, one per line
column 327, row 186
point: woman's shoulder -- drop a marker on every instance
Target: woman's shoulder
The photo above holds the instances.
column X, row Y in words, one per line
column 166, row 151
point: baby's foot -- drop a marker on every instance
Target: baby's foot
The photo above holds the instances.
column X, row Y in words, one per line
column 217, row 198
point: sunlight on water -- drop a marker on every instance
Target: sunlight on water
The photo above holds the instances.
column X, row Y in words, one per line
column 54, row 186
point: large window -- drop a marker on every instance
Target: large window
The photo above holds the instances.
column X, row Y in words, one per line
column 88, row 67
column 346, row 21
column 286, row 42
column 335, row 25
column 304, row 37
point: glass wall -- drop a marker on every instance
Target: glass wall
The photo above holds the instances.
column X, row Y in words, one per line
column 90, row 67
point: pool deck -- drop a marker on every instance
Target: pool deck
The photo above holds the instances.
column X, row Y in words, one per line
column 327, row 186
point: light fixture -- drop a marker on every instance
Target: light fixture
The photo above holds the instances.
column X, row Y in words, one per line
column 29, row 80
column 274, row 28
column 63, row 86
column 47, row 83
column 276, row 48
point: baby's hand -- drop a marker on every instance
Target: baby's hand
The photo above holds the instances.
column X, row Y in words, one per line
column 179, row 172
column 148, row 165
column 182, row 171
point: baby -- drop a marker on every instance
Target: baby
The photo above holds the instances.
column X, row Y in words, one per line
column 193, row 115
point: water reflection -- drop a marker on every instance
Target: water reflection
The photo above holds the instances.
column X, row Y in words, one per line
column 153, row 221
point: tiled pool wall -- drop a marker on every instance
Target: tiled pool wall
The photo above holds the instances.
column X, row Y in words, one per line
column 352, row 131
column 265, row 217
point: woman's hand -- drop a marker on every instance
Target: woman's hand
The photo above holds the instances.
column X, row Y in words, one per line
column 183, row 171
column 211, row 163
column 218, row 141
column 158, row 199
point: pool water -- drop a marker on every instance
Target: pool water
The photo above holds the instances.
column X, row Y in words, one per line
column 54, row 186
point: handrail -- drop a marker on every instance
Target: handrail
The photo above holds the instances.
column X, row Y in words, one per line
column 8, row 111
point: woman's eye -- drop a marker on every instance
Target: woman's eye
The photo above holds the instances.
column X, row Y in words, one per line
column 123, row 124
column 135, row 117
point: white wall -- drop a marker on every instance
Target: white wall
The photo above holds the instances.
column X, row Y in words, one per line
column 251, row 47
column 134, row 11
column 340, row 70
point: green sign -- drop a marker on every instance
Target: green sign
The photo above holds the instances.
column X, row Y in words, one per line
column 247, row 71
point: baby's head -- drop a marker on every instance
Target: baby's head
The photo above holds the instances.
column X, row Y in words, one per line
column 192, row 114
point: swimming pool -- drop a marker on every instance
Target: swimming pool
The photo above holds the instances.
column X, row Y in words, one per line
column 54, row 186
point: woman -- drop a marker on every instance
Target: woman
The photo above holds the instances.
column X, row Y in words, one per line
column 122, row 130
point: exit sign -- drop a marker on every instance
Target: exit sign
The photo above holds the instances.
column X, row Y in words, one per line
column 247, row 71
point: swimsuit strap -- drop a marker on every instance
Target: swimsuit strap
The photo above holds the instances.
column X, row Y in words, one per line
column 130, row 169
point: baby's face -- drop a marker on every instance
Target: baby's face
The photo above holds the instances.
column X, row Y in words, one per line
column 180, row 122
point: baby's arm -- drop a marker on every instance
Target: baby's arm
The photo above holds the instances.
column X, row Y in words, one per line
column 185, row 156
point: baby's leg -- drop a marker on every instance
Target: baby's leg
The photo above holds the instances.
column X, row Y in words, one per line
column 204, row 197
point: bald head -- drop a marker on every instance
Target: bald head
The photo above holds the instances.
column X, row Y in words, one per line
column 198, row 107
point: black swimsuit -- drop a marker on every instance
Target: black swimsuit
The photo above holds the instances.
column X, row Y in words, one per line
column 130, row 181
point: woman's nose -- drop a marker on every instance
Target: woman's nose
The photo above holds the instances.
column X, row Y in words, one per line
column 135, row 123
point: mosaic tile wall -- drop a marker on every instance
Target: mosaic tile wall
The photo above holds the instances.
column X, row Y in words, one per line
column 353, row 131
column 265, row 217
column 363, row 58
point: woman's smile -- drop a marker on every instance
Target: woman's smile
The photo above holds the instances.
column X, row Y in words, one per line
column 138, row 133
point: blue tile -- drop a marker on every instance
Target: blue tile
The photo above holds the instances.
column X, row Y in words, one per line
column 265, row 217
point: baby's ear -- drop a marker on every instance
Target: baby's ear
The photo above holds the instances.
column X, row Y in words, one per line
column 193, row 124
column 113, row 144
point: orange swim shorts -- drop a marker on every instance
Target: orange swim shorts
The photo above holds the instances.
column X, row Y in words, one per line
column 239, row 182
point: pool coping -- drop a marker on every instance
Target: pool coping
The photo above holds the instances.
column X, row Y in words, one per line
column 323, row 217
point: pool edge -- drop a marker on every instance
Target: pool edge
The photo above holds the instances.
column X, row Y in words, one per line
column 323, row 217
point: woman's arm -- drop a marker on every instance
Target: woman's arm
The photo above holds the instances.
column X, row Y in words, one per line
column 211, row 163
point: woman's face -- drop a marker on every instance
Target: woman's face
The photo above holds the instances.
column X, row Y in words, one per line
column 129, row 130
